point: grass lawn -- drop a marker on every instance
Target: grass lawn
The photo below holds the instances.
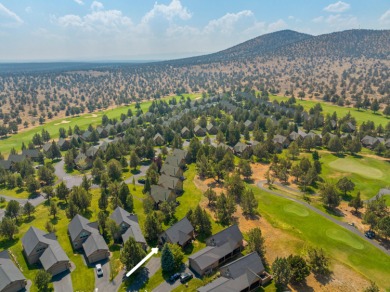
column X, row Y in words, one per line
column 15, row 193
column 360, row 116
column 368, row 174
column 339, row 244
column 83, row 278
column 82, row 121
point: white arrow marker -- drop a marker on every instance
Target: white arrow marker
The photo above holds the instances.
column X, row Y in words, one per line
column 154, row 251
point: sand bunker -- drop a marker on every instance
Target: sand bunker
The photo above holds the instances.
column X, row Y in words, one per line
column 62, row 122
column 92, row 116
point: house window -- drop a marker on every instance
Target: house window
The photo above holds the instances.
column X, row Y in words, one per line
column 84, row 235
column 39, row 249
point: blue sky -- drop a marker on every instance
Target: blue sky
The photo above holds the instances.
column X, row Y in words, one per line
column 130, row 30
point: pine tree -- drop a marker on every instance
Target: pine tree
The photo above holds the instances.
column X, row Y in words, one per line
column 152, row 227
column 167, row 259
column 131, row 254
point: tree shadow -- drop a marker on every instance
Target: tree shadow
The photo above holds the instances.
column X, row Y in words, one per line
column 335, row 212
column 252, row 216
column 324, row 279
column 302, row 287
column 347, row 197
column 7, row 243
column 62, row 205
column 135, row 171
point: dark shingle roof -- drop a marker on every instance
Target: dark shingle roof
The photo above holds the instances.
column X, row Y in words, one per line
column 169, row 169
column 9, row 273
column 237, row 275
column 180, row 232
column 167, row 181
column 78, row 224
column 120, row 215
column 179, row 153
column 33, row 153
column 173, row 160
column 218, row 246
column 16, row 158
column 52, row 255
column 5, row 164
column 47, row 146
column 159, row 193
column 94, row 243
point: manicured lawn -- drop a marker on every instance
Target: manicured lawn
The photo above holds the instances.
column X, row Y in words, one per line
column 368, row 174
column 15, row 193
column 82, row 278
column 82, row 121
column 360, row 116
column 339, row 244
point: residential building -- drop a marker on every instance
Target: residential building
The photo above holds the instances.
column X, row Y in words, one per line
column 11, row 279
column 181, row 233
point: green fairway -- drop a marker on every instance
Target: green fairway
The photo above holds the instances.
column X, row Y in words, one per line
column 340, row 244
column 82, row 121
column 296, row 209
column 344, row 236
column 368, row 174
column 360, row 116
column 355, row 166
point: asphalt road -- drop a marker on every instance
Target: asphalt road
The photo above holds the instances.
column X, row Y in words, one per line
column 344, row 225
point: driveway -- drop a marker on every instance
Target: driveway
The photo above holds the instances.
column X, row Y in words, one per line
column 2, row 212
column 34, row 201
column 344, row 225
column 103, row 283
column 63, row 282
column 69, row 180
column 166, row 286
column 151, row 267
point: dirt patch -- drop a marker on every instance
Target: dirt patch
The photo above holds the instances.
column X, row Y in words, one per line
column 259, row 170
column 279, row 243
column 62, row 122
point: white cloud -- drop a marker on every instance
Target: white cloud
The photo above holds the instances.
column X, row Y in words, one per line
column 318, row 19
column 79, row 2
column 173, row 9
column 28, row 9
column 337, row 7
column 227, row 23
column 97, row 5
column 277, row 25
column 99, row 21
column 8, row 17
column 385, row 17
column 342, row 22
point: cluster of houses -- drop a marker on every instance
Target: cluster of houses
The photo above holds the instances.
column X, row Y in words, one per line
column 170, row 182
column 13, row 159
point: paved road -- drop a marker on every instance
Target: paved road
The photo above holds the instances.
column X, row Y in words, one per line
column 63, row 282
column 381, row 193
column 260, row 184
column 143, row 169
column 34, row 201
column 69, row 180
column 151, row 267
column 167, row 286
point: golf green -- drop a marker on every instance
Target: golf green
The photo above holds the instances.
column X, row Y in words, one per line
column 354, row 166
column 295, row 209
column 343, row 236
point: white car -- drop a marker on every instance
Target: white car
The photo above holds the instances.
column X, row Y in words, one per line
column 99, row 270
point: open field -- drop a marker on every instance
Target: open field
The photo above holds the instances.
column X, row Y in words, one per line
column 360, row 116
column 82, row 121
column 317, row 231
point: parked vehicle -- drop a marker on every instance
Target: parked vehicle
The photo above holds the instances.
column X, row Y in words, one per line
column 185, row 277
column 99, row 270
column 174, row 277
column 370, row 234
column 141, row 181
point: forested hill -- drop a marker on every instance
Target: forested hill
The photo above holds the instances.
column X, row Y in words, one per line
column 258, row 46
column 349, row 43
column 292, row 44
